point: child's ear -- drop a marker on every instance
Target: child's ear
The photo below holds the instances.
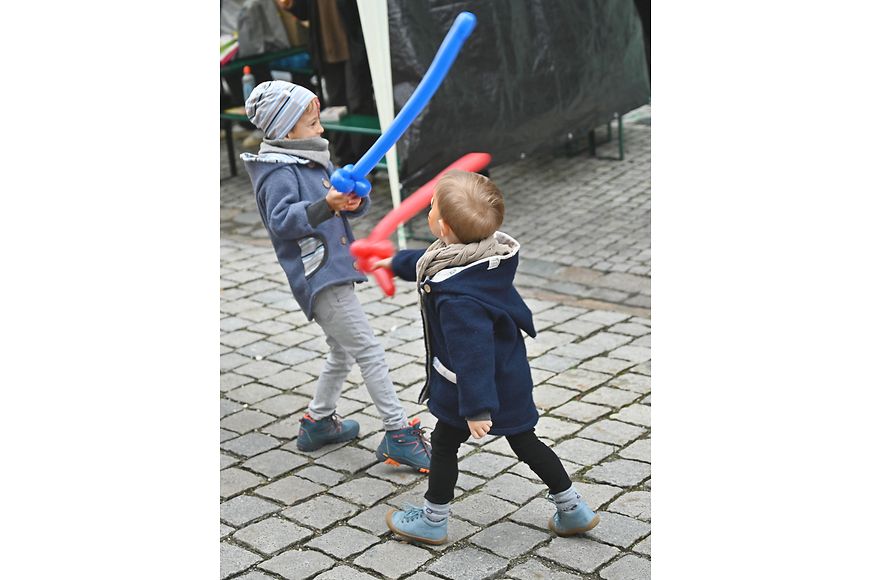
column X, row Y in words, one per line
column 446, row 232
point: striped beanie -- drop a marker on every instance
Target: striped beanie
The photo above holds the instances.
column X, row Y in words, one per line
column 275, row 107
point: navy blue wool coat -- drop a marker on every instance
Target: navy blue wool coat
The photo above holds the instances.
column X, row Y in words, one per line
column 476, row 361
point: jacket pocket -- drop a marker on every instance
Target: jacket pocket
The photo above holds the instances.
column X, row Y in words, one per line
column 313, row 253
column 443, row 371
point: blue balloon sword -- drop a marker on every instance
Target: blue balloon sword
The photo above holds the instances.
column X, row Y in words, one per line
column 351, row 178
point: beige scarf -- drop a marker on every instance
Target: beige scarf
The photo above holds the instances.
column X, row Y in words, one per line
column 440, row 255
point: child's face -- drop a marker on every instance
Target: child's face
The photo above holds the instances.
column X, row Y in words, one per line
column 308, row 125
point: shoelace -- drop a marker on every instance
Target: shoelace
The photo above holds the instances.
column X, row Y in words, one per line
column 418, row 431
column 336, row 421
column 412, row 512
column 427, row 444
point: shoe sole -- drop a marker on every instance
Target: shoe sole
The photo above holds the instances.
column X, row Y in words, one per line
column 389, row 519
column 575, row 531
column 390, row 461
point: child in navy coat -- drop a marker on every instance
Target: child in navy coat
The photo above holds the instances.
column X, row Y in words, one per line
column 478, row 377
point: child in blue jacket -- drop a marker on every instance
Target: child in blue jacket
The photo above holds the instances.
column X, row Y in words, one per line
column 478, row 376
column 307, row 221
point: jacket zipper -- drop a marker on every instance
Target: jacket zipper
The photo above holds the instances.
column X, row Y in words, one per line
column 424, row 393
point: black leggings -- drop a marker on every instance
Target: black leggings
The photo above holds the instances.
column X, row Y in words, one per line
column 529, row 449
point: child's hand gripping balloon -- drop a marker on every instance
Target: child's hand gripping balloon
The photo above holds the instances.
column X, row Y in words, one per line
column 371, row 256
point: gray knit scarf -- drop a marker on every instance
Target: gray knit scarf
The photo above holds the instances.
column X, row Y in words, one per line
column 312, row 148
column 440, row 255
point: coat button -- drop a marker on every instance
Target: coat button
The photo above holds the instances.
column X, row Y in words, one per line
column 343, row 241
column 355, row 266
column 326, row 183
column 426, row 288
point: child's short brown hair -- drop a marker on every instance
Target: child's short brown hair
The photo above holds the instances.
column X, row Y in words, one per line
column 471, row 205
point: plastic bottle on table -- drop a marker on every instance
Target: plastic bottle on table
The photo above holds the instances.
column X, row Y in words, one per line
column 248, row 83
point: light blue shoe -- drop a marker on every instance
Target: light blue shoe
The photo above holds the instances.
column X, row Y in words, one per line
column 579, row 520
column 411, row 524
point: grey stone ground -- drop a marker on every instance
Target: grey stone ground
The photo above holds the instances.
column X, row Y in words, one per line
column 584, row 225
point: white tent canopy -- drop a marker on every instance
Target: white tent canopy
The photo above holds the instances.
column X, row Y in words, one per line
column 376, row 30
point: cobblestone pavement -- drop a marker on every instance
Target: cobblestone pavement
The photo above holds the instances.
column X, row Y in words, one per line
column 583, row 223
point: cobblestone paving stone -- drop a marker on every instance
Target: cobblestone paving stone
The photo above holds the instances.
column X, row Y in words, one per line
column 585, row 273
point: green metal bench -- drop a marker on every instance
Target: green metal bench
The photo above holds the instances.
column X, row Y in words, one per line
column 359, row 124
column 228, row 117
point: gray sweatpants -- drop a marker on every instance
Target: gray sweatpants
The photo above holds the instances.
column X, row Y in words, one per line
column 338, row 312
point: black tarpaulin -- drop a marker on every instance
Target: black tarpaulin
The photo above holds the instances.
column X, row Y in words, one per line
column 531, row 73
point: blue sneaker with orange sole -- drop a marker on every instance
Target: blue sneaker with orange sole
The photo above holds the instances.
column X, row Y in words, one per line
column 406, row 446
column 315, row 433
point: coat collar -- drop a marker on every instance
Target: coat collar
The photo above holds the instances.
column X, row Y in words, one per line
column 493, row 262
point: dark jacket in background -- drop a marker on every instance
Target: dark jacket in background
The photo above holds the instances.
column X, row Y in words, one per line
column 260, row 28
column 347, row 84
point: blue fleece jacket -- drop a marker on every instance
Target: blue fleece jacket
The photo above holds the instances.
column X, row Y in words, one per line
column 476, row 360
column 312, row 242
